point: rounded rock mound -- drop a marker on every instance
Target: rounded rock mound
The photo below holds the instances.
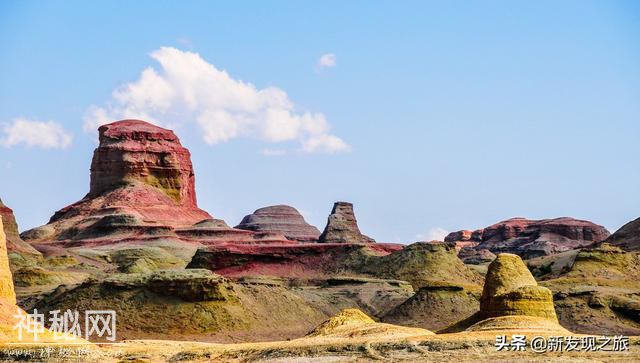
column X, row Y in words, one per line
column 353, row 323
column 281, row 218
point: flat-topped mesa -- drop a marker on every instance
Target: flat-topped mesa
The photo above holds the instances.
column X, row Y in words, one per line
column 281, row 218
column 142, row 183
column 510, row 289
column 533, row 238
column 342, row 226
column 133, row 151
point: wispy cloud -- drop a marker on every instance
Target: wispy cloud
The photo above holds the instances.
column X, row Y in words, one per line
column 32, row 133
column 188, row 89
column 327, row 60
column 434, row 234
column 272, row 152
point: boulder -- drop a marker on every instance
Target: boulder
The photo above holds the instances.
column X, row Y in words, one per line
column 281, row 218
column 533, row 238
column 627, row 237
column 342, row 226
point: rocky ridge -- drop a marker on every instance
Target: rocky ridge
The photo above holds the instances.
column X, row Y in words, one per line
column 532, row 238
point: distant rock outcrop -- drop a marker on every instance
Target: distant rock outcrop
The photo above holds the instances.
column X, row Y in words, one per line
column 473, row 256
column 342, row 226
column 627, row 237
column 15, row 244
column 281, row 218
column 532, row 238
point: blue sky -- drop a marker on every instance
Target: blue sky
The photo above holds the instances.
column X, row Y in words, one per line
column 434, row 116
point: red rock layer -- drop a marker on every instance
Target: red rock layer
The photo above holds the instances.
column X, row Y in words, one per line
column 530, row 238
column 280, row 218
column 136, row 151
column 142, row 180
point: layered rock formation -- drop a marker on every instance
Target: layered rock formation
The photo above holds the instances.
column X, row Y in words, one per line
column 142, row 170
column 532, row 238
column 134, row 151
column 511, row 300
column 342, row 226
column 281, row 218
column 15, row 244
column 510, row 289
column 310, row 260
column 627, row 237
column 141, row 190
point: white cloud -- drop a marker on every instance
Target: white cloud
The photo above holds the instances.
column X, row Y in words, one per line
column 273, row 152
column 188, row 89
column 327, row 60
column 46, row 135
column 326, row 144
column 434, row 234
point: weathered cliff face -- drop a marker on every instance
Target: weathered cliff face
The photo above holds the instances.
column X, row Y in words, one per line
column 281, row 218
column 627, row 237
column 15, row 244
column 532, row 238
column 342, row 226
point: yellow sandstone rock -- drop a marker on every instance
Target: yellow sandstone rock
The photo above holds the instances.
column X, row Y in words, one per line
column 7, row 293
column 510, row 289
